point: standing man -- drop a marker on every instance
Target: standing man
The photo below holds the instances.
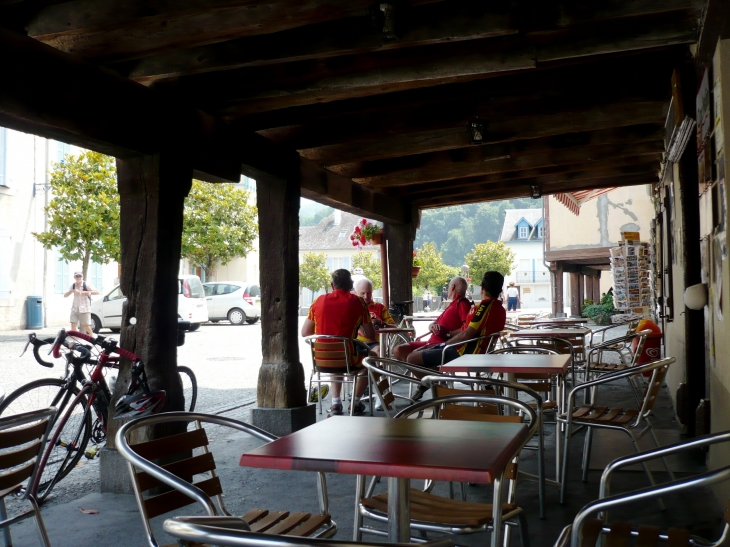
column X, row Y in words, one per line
column 447, row 324
column 379, row 314
column 512, row 296
column 426, row 300
column 81, row 306
column 341, row 313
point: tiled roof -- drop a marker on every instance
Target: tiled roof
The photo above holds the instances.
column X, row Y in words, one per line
column 513, row 216
column 327, row 235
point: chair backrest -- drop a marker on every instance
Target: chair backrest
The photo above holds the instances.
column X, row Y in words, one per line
column 381, row 370
column 22, row 438
column 191, row 477
column 621, row 342
column 336, row 353
column 451, row 411
column 230, row 532
column 477, row 346
column 524, row 320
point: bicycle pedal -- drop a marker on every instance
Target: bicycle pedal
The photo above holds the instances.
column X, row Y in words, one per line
column 91, row 453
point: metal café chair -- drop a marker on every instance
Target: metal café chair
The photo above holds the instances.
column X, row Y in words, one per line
column 334, row 360
column 432, row 513
column 493, row 339
column 193, row 478
column 598, row 336
column 617, row 419
column 587, row 530
column 22, row 439
column 384, row 373
column 228, row 532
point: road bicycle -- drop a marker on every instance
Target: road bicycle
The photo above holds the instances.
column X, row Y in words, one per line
column 82, row 403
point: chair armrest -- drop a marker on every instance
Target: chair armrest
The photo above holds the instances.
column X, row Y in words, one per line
column 494, row 336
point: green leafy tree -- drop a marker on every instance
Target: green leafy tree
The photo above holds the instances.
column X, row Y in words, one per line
column 371, row 267
column 83, row 216
column 313, row 274
column 219, row 225
column 434, row 273
column 316, row 218
column 489, row 256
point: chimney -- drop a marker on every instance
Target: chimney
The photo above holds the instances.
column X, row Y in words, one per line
column 338, row 217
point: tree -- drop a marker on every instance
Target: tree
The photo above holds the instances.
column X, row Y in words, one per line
column 434, row 273
column 83, row 216
column 489, row 256
column 219, row 225
column 371, row 267
column 313, row 274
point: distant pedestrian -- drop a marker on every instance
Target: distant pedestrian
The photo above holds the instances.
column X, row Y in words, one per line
column 81, row 306
column 513, row 296
column 426, row 300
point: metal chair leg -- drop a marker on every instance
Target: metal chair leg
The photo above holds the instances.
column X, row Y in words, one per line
column 6, row 531
column 566, row 452
column 39, row 522
column 588, row 443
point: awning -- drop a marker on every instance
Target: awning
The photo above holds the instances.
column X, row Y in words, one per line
column 573, row 200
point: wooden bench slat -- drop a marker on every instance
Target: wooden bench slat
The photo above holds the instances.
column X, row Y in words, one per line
column 289, row 523
column 254, row 514
column 313, row 523
column 619, row 535
column 590, row 532
column 169, row 501
column 263, row 524
column 23, row 434
column 171, row 445
column 648, row 536
column 21, row 455
column 187, row 469
column 17, row 476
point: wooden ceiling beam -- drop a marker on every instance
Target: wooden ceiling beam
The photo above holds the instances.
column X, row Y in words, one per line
column 512, row 190
column 617, row 166
column 472, row 154
column 424, row 25
column 519, row 128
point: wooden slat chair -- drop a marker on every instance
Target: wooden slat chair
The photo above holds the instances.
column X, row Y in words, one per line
column 149, row 477
column 227, row 532
column 383, row 373
column 617, row 419
column 524, row 320
column 598, row 336
column 591, row 523
column 432, row 513
column 596, row 363
column 22, row 438
column 485, row 343
column 335, row 359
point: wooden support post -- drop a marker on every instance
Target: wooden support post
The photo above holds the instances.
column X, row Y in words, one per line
column 152, row 192
column 384, row 271
column 589, row 287
column 597, row 288
column 400, row 260
column 558, row 298
column 575, row 293
column 281, row 392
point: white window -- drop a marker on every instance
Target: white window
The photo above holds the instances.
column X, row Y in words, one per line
column 62, row 280
column 523, row 232
column 62, row 149
column 541, row 231
column 6, row 259
column 95, row 275
column 338, row 262
column 3, row 155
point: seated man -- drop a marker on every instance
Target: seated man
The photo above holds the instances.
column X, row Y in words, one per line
column 341, row 313
column 379, row 314
column 487, row 318
column 448, row 323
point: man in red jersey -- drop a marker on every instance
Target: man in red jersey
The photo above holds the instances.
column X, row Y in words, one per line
column 379, row 314
column 341, row 313
column 448, row 323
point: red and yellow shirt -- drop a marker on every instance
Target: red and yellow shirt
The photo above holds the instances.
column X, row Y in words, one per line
column 486, row 318
column 379, row 312
column 339, row 313
column 451, row 319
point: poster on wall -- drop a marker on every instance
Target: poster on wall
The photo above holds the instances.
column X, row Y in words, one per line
column 704, row 126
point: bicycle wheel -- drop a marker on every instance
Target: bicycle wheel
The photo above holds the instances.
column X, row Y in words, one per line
column 43, row 394
column 190, row 387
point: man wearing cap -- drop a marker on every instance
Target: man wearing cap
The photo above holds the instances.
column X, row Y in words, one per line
column 512, row 296
column 81, row 307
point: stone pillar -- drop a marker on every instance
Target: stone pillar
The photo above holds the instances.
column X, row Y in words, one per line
column 400, row 260
column 281, row 392
column 576, row 293
column 152, row 192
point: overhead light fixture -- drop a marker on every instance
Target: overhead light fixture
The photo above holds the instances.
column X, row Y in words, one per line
column 475, row 127
column 535, row 192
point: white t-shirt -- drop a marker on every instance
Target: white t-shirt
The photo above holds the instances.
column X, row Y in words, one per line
column 512, row 292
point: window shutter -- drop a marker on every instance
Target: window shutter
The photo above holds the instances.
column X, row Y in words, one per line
column 62, row 275
column 6, row 258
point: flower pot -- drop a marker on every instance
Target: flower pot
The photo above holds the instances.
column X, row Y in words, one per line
column 377, row 239
column 415, row 270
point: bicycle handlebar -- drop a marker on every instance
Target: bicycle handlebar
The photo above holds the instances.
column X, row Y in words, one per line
column 108, row 345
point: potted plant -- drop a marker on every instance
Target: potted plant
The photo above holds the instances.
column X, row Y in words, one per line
column 366, row 233
column 600, row 313
column 417, row 265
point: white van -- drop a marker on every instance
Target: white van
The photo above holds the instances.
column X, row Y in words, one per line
column 107, row 312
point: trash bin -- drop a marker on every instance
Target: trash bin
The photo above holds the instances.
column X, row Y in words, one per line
column 34, row 312
column 652, row 346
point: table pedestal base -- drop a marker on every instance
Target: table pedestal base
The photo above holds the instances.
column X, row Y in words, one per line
column 399, row 512
column 283, row 421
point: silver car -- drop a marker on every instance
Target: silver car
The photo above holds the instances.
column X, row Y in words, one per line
column 235, row 301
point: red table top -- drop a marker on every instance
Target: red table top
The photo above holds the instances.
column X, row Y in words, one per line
column 446, row 450
column 509, row 363
column 554, row 333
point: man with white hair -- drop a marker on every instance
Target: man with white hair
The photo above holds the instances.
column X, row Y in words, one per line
column 379, row 314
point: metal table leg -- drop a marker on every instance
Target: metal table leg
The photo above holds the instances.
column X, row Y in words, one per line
column 399, row 510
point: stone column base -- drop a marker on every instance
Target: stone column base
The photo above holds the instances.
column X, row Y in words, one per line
column 114, row 472
column 282, row 421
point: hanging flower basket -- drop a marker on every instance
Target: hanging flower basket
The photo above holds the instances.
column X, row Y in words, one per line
column 415, row 270
column 416, row 265
column 366, row 233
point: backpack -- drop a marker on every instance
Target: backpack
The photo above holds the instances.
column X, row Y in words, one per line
column 83, row 288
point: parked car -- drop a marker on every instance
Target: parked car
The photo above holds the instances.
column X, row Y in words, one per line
column 107, row 312
column 233, row 300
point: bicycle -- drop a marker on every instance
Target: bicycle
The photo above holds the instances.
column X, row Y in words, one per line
column 74, row 428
